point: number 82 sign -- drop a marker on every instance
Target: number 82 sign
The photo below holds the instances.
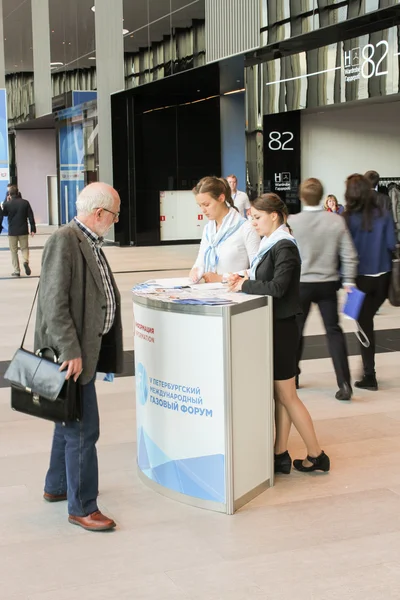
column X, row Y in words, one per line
column 280, row 141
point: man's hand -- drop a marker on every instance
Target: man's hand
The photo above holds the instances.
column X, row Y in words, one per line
column 74, row 368
column 32, row 233
column 212, row 277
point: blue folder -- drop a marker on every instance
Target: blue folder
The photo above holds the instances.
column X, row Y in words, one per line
column 354, row 303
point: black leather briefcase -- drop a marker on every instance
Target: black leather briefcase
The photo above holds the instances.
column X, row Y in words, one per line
column 66, row 408
column 39, row 388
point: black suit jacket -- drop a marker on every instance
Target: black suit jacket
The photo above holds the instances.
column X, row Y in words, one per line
column 383, row 201
column 278, row 275
column 19, row 212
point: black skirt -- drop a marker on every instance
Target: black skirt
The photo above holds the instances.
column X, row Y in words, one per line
column 286, row 342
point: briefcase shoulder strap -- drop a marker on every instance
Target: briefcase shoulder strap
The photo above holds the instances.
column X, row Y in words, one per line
column 30, row 315
column 36, row 295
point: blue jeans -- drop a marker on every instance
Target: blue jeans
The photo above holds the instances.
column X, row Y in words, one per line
column 73, row 463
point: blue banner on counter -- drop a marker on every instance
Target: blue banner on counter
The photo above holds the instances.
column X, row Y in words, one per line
column 179, row 406
column 4, row 159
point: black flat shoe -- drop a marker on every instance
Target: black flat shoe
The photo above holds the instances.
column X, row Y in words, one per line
column 345, row 392
column 368, row 382
column 282, row 463
column 319, row 463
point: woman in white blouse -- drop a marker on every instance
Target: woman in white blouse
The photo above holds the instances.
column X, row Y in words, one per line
column 229, row 242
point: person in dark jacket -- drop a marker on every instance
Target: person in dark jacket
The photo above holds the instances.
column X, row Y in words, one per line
column 275, row 271
column 382, row 200
column 373, row 232
column 19, row 212
column 7, row 194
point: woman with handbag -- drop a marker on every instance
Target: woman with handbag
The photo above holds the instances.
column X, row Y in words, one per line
column 373, row 232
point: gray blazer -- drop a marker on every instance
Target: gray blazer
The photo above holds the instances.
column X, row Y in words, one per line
column 69, row 275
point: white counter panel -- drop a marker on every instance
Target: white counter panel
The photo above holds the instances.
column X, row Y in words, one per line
column 180, row 407
column 252, row 414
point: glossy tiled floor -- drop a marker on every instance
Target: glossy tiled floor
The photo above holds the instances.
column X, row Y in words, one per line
column 325, row 537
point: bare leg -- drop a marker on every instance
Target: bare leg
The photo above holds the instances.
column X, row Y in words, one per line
column 286, row 394
column 283, row 424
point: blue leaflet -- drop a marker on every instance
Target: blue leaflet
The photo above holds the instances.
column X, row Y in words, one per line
column 353, row 303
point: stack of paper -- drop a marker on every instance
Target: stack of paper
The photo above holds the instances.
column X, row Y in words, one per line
column 202, row 301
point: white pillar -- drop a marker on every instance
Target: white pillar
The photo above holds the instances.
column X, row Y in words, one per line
column 41, row 57
column 110, row 75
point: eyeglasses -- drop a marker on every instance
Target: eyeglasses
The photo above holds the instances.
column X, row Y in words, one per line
column 115, row 214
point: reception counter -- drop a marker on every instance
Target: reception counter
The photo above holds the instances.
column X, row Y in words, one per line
column 204, row 399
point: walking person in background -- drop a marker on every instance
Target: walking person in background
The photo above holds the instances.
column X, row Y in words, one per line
column 19, row 212
column 240, row 199
column 373, row 232
column 324, row 241
column 7, row 197
column 332, row 205
column 275, row 271
column 382, row 200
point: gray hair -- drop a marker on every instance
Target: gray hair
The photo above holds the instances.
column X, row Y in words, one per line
column 92, row 197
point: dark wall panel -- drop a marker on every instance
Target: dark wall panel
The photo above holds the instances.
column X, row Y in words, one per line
column 199, row 143
column 166, row 136
column 282, row 157
column 156, row 169
column 123, row 166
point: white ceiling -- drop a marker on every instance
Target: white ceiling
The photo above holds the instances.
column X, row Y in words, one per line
column 73, row 34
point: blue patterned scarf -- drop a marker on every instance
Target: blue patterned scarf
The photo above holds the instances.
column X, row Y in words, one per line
column 231, row 223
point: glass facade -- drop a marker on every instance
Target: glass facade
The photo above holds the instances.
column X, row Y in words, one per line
column 18, row 56
column 284, row 19
column 304, row 73
column 355, row 69
column 298, row 66
column 161, row 38
column 167, row 38
column 72, row 46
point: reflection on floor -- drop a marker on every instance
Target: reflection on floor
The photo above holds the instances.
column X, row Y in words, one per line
column 322, row 537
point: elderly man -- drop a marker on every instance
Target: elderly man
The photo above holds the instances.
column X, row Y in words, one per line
column 79, row 315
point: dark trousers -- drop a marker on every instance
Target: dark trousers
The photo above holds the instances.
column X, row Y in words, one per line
column 376, row 291
column 73, row 463
column 324, row 294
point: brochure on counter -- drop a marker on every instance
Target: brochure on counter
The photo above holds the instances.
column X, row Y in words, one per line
column 183, row 291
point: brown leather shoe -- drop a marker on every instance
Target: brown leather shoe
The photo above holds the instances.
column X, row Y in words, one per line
column 94, row 522
column 53, row 498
